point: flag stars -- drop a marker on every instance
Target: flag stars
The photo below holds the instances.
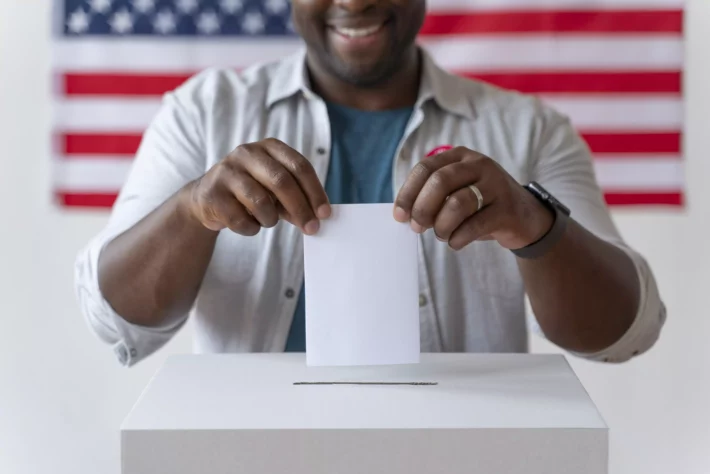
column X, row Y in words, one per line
column 276, row 6
column 79, row 21
column 180, row 17
column 165, row 22
column 100, row 6
column 143, row 6
column 208, row 23
column 122, row 22
column 253, row 23
column 186, row 6
column 230, row 7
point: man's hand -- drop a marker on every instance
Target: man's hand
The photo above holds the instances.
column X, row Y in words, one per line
column 436, row 195
column 256, row 185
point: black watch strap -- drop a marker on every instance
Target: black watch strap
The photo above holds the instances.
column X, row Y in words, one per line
column 543, row 245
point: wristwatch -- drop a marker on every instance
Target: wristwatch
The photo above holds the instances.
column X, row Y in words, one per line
column 546, row 242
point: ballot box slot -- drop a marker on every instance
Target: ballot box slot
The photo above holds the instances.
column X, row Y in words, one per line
column 367, row 383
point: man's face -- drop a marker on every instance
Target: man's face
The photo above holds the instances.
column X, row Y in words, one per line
column 362, row 42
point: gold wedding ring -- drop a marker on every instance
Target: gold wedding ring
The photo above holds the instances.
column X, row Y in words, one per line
column 479, row 196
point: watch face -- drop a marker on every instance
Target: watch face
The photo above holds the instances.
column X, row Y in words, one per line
column 546, row 197
column 540, row 191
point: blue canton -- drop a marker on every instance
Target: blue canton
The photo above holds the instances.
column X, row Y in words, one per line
column 177, row 18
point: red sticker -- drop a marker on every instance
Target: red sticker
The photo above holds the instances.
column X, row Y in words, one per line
column 439, row 149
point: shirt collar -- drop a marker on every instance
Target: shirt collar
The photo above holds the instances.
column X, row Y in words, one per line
column 444, row 89
column 290, row 78
column 437, row 85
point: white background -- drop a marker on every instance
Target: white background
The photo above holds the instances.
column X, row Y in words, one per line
column 63, row 395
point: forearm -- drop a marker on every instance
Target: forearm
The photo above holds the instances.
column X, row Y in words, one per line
column 584, row 291
column 154, row 269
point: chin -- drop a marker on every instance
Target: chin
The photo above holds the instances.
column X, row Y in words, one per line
column 367, row 74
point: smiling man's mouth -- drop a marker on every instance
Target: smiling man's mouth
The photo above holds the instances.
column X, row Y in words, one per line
column 358, row 32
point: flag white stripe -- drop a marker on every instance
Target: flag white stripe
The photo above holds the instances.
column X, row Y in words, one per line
column 468, row 5
column 105, row 115
column 168, row 55
column 106, row 174
column 91, row 174
column 626, row 113
column 640, row 174
column 593, row 112
column 480, row 54
column 569, row 53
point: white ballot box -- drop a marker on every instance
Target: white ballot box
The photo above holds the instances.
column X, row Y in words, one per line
column 449, row 414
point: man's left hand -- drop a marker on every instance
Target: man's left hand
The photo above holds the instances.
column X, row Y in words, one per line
column 436, row 195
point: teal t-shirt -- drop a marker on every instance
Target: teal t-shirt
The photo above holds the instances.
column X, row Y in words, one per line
column 360, row 171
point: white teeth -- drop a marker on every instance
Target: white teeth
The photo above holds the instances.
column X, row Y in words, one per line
column 358, row 32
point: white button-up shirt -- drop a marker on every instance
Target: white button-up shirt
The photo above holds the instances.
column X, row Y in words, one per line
column 472, row 300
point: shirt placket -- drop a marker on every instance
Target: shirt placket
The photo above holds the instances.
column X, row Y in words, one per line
column 319, row 156
column 430, row 335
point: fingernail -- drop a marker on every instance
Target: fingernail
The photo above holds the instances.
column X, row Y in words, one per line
column 400, row 214
column 312, row 227
column 323, row 211
column 440, row 239
column 416, row 227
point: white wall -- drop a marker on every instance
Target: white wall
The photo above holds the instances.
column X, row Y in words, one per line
column 63, row 396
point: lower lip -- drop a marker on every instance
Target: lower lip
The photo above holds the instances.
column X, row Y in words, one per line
column 359, row 41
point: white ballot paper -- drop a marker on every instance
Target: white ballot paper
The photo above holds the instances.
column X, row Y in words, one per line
column 362, row 289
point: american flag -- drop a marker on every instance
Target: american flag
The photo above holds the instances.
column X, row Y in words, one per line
column 613, row 66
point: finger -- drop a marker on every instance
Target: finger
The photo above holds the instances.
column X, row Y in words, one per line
column 226, row 212
column 254, row 197
column 283, row 214
column 457, row 208
column 304, row 173
column 281, row 183
column 441, row 185
column 479, row 225
column 419, row 175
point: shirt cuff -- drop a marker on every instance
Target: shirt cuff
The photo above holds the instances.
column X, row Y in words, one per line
column 647, row 325
column 130, row 342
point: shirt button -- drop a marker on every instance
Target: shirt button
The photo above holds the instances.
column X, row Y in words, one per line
column 133, row 352
column 290, row 293
column 422, row 300
column 320, row 150
column 122, row 354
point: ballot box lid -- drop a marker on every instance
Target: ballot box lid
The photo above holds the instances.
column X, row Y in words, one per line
column 443, row 391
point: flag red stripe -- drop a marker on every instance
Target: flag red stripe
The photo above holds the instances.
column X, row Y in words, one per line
column 620, row 143
column 537, row 82
column 612, row 143
column 98, row 200
column 526, row 22
column 613, row 198
column 121, row 84
column 100, row 144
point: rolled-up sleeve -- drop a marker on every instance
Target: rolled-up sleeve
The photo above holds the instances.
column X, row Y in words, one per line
column 171, row 154
column 564, row 166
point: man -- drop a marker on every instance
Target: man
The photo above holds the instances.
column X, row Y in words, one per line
column 236, row 167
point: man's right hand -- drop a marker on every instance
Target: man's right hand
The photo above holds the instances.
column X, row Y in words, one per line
column 256, row 185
